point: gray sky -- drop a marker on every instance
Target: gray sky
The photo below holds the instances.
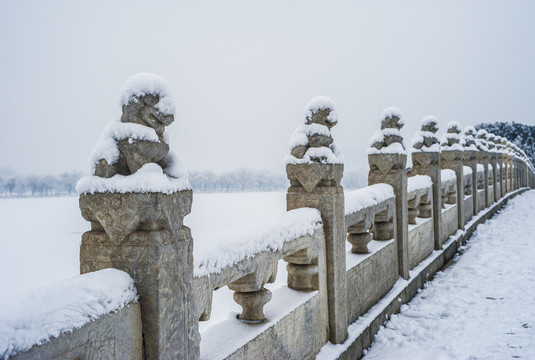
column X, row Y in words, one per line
column 242, row 71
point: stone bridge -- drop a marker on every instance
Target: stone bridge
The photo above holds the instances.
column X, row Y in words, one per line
column 353, row 257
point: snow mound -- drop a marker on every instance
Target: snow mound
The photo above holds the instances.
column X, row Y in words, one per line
column 366, row 197
column 429, row 119
column 467, row 170
column 447, row 175
column 33, row 317
column 142, row 84
column 213, row 254
column 418, row 182
column 320, row 103
column 391, row 111
column 149, row 178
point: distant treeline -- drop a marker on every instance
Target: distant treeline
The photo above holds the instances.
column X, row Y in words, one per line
column 16, row 185
column 522, row 135
column 256, row 180
column 12, row 184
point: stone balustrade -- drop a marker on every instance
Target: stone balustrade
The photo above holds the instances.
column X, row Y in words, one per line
column 364, row 253
column 247, row 277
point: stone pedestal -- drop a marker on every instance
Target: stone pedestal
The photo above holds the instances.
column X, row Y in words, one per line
column 142, row 234
column 428, row 163
column 470, row 159
column 453, row 159
column 391, row 169
column 318, row 186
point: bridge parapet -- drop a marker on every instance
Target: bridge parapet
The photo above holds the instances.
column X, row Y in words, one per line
column 391, row 227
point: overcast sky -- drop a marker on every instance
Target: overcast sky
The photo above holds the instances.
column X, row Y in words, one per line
column 242, row 71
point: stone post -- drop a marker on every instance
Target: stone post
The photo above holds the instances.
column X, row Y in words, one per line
column 160, row 261
column 501, row 161
column 515, row 172
column 507, row 163
column 388, row 159
column 470, row 159
column 483, row 158
column 137, row 225
column 426, row 161
column 451, row 157
column 493, row 162
column 314, row 169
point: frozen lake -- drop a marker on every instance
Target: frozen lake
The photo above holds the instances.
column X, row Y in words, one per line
column 40, row 237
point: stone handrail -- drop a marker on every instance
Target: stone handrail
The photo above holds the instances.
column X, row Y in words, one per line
column 369, row 215
column 419, row 197
column 252, row 273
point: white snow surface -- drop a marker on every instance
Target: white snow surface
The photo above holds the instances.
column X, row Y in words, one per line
column 33, row 317
column 319, row 103
column 394, row 148
column 225, row 249
column 428, row 120
column 480, row 167
column 106, row 146
column 390, row 112
column 467, row 170
column 482, row 307
column 149, row 178
column 142, row 84
column 327, row 155
column 447, row 175
column 454, row 125
column 418, row 182
column 356, row 200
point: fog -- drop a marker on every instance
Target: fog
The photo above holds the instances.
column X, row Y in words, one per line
column 242, row 71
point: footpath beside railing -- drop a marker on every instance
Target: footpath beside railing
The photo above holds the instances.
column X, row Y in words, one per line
column 353, row 257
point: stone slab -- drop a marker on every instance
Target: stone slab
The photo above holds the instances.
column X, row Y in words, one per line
column 449, row 222
column 377, row 269
column 421, row 241
column 113, row 336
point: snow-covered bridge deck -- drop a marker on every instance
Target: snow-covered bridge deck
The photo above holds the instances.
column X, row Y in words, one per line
column 482, row 307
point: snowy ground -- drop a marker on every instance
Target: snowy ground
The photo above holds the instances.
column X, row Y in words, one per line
column 40, row 237
column 482, row 307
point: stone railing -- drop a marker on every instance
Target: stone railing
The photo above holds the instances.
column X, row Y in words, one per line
column 357, row 257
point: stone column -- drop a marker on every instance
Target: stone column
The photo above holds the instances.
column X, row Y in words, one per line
column 451, row 157
column 493, row 162
column 315, row 171
column 470, row 159
column 515, row 173
column 136, row 202
column 426, row 161
column 157, row 254
column 507, row 164
column 483, row 158
column 501, row 161
column 388, row 159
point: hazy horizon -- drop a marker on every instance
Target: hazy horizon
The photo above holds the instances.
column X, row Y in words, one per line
column 242, row 72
